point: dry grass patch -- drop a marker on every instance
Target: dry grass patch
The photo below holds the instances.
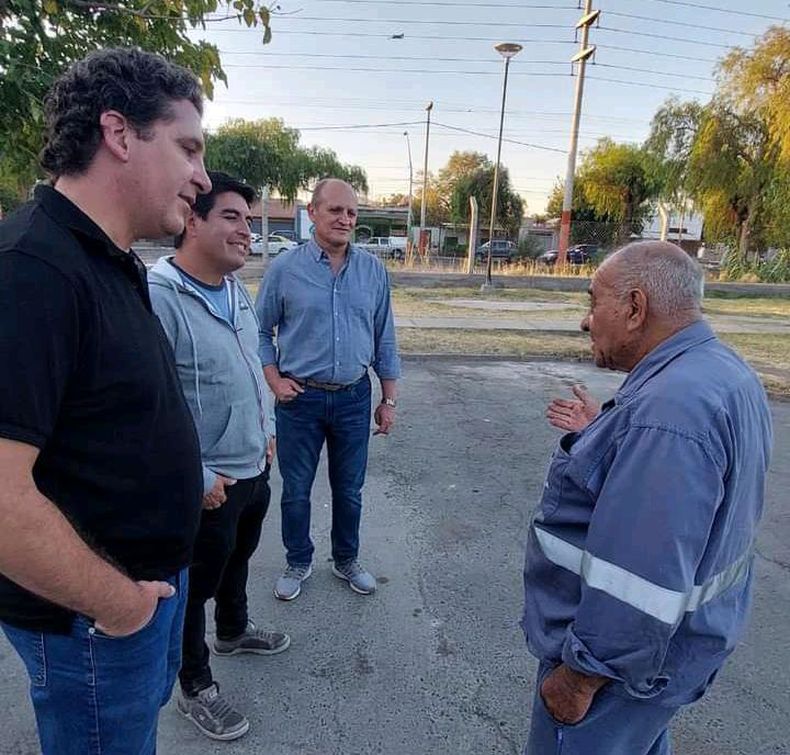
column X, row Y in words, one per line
column 515, row 343
column 748, row 307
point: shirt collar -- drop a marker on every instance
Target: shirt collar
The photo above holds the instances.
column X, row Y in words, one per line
column 317, row 252
column 62, row 209
column 685, row 339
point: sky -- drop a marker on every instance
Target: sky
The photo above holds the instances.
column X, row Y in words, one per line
column 334, row 71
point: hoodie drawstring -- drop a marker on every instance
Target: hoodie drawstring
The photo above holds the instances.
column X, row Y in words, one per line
column 194, row 346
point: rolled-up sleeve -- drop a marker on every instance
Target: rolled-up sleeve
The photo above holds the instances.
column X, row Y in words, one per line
column 268, row 310
column 386, row 363
column 648, row 533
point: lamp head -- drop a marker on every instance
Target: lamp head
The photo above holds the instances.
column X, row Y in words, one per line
column 508, row 49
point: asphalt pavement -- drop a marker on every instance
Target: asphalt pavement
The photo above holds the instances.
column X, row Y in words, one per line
column 435, row 663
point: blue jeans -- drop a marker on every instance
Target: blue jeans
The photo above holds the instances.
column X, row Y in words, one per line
column 614, row 725
column 98, row 695
column 342, row 419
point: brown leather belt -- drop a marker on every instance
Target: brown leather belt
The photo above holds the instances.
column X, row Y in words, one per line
column 323, row 386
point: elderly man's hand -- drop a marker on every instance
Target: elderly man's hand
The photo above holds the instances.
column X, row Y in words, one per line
column 568, row 695
column 217, row 496
column 573, row 414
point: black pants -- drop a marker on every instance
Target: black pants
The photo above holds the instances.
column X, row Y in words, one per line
column 227, row 538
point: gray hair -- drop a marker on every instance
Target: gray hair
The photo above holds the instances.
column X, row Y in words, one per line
column 673, row 282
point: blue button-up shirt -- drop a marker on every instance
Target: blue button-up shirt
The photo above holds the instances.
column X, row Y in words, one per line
column 638, row 564
column 330, row 328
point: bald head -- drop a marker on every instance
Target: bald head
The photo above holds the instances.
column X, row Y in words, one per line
column 671, row 280
column 330, row 183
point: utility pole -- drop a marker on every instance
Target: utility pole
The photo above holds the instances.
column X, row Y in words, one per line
column 265, row 223
column 424, row 201
column 588, row 19
column 408, row 216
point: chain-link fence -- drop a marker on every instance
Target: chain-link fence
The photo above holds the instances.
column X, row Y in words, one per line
column 605, row 236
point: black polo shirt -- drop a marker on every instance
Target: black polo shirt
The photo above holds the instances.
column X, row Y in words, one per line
column 88, row 377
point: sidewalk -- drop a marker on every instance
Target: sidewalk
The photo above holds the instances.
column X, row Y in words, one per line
column 537, row 318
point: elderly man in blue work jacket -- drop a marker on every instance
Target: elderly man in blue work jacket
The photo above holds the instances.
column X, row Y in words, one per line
column 330, row 304
column 638, row 567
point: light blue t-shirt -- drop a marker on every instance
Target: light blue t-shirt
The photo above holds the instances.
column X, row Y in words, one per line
column 217, row 296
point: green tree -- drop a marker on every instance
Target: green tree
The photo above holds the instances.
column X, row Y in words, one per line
column 436, row 210
column 268, row 153
column 757, row 81
column 480, row 184
column 673, row 132
column 731, row 167
column 40, row 38
column 460, row 166
column 620, row 181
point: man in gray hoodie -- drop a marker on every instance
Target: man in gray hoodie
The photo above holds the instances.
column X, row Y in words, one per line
column 211, row 324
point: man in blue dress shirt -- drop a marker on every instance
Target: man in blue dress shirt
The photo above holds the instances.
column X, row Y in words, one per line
column 638, row 571
column 330, row 305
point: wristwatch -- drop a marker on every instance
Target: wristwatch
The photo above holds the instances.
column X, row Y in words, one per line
column 389, row 402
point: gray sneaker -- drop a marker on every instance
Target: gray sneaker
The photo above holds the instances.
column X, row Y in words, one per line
column 253, row 640
column 289, row 585
column 358, row 579
column 213, row 715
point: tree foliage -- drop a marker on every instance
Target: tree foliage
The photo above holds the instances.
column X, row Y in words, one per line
column 619, row 181
column 480, row 184
column 757, row 81
column 268, row 153
column 673, row 132
column 40, row 38
column 731, row 166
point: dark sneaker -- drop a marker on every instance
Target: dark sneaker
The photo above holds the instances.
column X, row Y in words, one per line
column 289, row 585
column 253, row 641
column 213, row 715
column 358, row 579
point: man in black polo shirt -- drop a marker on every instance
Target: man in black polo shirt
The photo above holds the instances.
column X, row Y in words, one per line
column 99, row 459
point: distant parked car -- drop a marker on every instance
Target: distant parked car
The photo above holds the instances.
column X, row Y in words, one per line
column 580, row 254
column 501, row 249
column 277, row 244
column 386, row 247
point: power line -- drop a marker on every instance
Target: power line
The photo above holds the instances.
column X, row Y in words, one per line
column 423, row 22
column 491, row 136
column 652, row 71
column 648, row 85
column 721, row 10
column 632, row 33
column 383, row 35
column 358, row 125
column 453, row 60
column 497, row 61
column 455, row 72
column 685, row 24
column 655, row 52
column 312, row 102
column 456, row 4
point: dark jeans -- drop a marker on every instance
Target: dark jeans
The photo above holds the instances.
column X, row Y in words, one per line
column 227, row 538
column 100, row 695
column 342, row 419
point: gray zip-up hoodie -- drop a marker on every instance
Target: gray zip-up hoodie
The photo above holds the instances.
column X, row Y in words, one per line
column 220, row 372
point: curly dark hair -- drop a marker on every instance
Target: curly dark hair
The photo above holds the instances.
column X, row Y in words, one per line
column 221, row 183
column 139, row 85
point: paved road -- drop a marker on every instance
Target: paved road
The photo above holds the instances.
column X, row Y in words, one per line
column 435, row 664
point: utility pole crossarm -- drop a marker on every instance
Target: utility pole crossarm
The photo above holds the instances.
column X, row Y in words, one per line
column 580, row 58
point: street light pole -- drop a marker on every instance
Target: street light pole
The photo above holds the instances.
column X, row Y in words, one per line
column 408, row 216
column 507, row 50
column 423, row 201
